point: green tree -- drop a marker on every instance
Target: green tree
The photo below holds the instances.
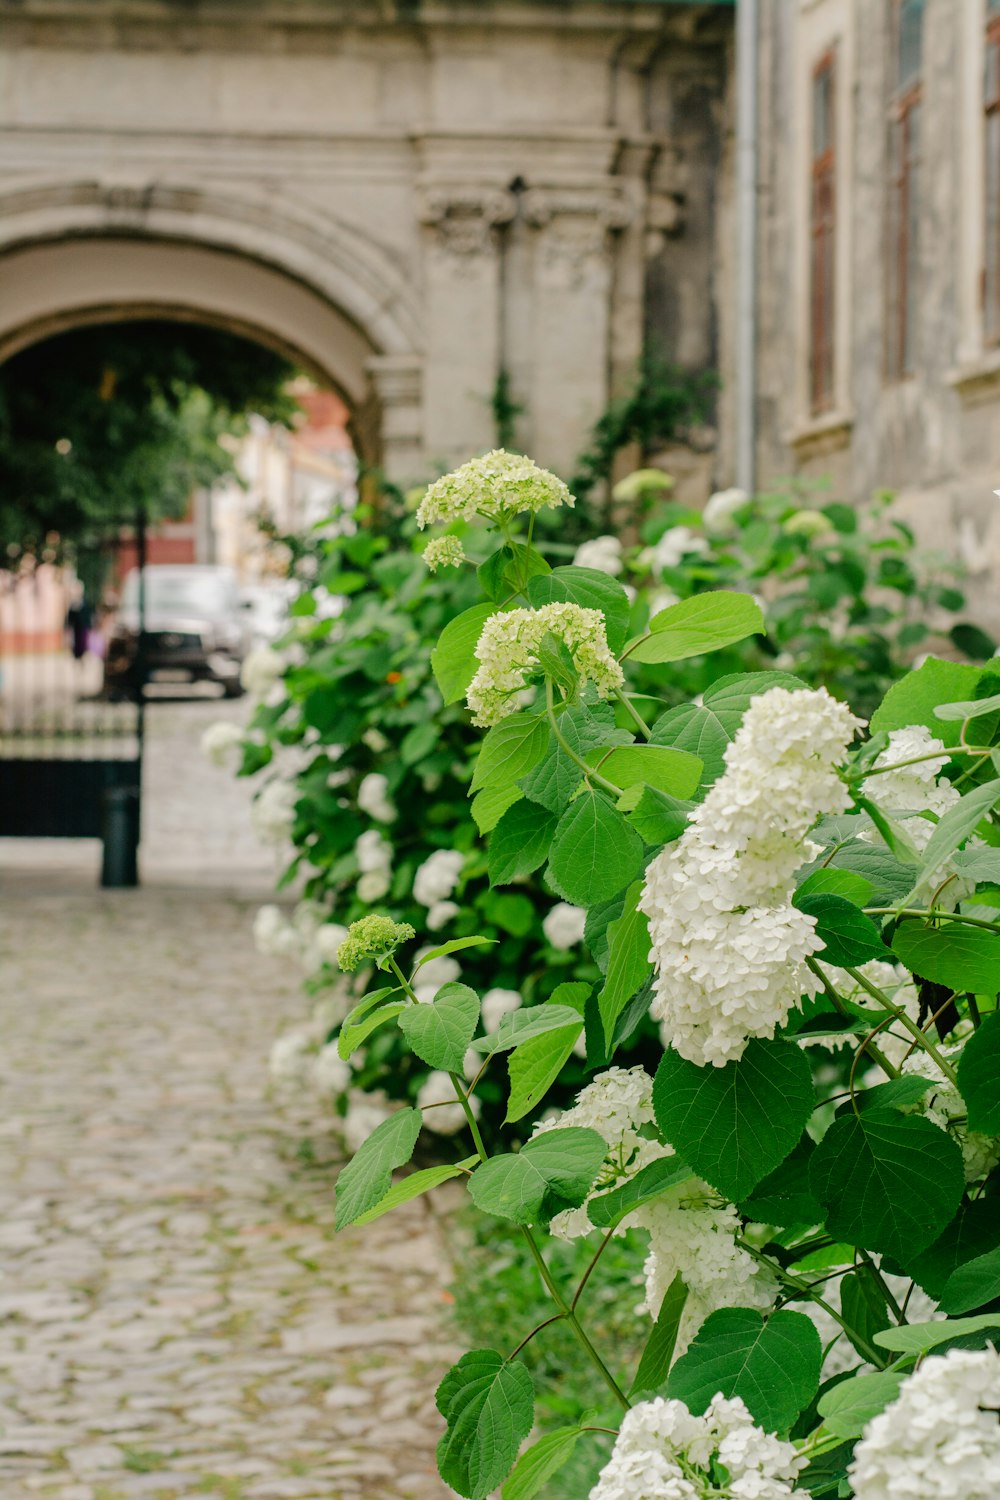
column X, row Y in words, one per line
column 101, row 421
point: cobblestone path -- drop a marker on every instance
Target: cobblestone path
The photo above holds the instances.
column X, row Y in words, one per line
column 176, row 1316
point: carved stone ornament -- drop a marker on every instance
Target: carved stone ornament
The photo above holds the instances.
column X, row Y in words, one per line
column 466, row 219
column 576, row 225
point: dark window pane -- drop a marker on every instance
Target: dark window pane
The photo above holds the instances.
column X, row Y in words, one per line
column 822, row 109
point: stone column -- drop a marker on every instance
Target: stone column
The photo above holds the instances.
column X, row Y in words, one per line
column 573, row 290
column 399, row 414
column 462, row 285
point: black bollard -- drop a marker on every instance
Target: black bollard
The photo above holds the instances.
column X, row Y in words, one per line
column 120, row 862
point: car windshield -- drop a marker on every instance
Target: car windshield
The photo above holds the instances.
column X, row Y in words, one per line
column 180, row 593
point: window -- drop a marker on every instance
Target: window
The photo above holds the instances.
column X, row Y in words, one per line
column 991, row 156
column 904, row 187
column 821, row 236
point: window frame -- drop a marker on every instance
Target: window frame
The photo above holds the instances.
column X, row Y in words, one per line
column 905, row 103
column 823, row 243
column 990, row 296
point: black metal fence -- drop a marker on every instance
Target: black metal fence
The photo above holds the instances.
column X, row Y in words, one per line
column 70, row 756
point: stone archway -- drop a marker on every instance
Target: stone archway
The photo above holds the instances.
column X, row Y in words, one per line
column 322, row 294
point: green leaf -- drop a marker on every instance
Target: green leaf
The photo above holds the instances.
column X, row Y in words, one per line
column 534, row 1065
column 890, row 1182
column 735, row 1124
column 972, row 1232
column 553, row 1171
column 556, row 778
column 365, row 1004
column 628, row 960
column 440, row 1033
column 774, row 1365
column 706, row 622
column 592, row 590
column 894, row 835
column 657, row 817
column 607, row 1210
column 864, row 1308
column 351, row 1037
column 917, row 696
column 707, row 729
column 849, row 937
column 595, row 853
column 509, row 750
column 367, row 1177
column 833, row 882
column 847, row 1408
column 654, row 1365
column 978, row 864
column 784, row 1197
column 413, row 1186
column 979, row 1077
column 520, row 842
column 973, row 1285
column 890, row 879
column 556, row 660
column 453, row 659
column 521, row 1025
column 972, row 708
column 489, row 1405
column 920, row 1338
column 954, row 826
column 489, row 805
column 506, row 570
column 538, row 1463
column 454, row 945
column 896, row 1093
column 963, row 958
column 669, row 770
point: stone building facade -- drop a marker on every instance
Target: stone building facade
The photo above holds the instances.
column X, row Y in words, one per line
column 878, row 312
column 408, row 196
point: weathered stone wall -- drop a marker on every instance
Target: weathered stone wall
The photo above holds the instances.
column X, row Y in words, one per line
column 409, row 197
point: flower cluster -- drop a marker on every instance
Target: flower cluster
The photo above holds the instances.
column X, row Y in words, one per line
column 664, row 1452
column 675, row 543
column 308, row 938
column 374, row 857
column 563, row 925
column 442, row 1112
column 941, row 1436
column 444, row 552
column 915, row 788
column 372, row 938
column 374, row 799
column 434, row 883
column 273, row 811
column 508, row 647
column 262, row 668
column 944, row 1106
column 603, row 553
column 721, row 507
column 221, row 741
column 497, row 486
column 728, row 946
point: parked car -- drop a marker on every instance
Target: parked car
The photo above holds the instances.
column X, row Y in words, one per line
column 195, row 630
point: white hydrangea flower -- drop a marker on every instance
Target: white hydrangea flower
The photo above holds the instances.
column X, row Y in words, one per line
column 440, row 914
column 220, row 740
column 444, row 1115
column 373, row 738
column 944, row 1106
column 331, row 1008
column 273, row 811
column 603, row 553
column 273, row 935
column 663, row 1452
column 894, row 1041
column 692, row 1233
column 330, row 1074
column 563, row 926
column 916, row 788
column 508, row 646
column 674, row 545
column 262, row 668
column 498, row 1003
column 438, row 876
column 939, row 1438
column 290, row 1054
column 497, row 486
column 728, row 946
column 661, row 599
column 444, row 552
column 365, row 1113
column 721, row 507
column 373, row 886
column 374, row 857
column 322, row 947
column 374, row 799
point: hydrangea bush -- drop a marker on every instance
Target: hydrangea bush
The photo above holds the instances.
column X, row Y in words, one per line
column 808, row 907
column 350, row 734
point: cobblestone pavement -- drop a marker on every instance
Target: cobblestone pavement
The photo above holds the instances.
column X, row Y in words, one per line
column 176, row 1316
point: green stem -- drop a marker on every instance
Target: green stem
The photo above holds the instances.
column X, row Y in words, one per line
column 404, row 982
column 463, row 1100
column 915, row 1031
column 633, row 713
column 930, row 914
column 875, row 1053
column 914, row 760
column 592, row 776
column 890, row 1300
column 574, row 1322
column 871, row 1353
column 587, row 1273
